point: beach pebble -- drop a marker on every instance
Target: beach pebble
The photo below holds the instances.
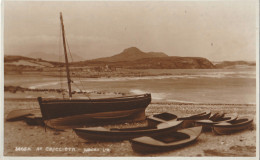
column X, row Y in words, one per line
column 56, row 133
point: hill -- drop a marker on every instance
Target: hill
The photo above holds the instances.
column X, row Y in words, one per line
column 155, row 63
column 26, row 61
column 134, row 58
column 173, row 63
column 131, row 54
column 52, row 56
column 160, row 63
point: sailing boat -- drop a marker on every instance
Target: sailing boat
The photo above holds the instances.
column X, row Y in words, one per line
column 71, row 112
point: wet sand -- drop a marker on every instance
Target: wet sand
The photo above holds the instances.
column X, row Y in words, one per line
column 21, row 139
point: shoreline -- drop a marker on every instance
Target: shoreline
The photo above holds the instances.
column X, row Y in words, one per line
column 152, row 102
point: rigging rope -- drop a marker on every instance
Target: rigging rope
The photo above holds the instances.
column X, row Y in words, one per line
column 61, row 66
column 79, row 74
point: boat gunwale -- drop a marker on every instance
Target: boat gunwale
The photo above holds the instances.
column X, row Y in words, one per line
column 84, row 130
column 143, row 96
column 196, row 116
column 90, row 101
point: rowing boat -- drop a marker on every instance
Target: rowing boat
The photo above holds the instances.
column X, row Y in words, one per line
column 215, row 119
column 239, row 124
column 116, row 134
column 166, row 142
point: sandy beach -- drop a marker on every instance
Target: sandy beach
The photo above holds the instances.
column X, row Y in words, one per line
column 21, row 139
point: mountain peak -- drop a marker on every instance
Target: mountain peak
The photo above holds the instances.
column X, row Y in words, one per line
column 131, row 54
column 132, row 49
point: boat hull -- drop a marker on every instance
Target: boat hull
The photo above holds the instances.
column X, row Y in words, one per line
column 228, row 128
column 95, row 119
column 103, row 134
column 60, row 108
column 20, row 114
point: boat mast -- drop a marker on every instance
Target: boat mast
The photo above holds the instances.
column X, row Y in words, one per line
column 66, row 57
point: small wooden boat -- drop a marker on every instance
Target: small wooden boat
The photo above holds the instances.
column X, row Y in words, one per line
column 115, row 134
column 30, row 116
column 240, row 123
column 156, row 119
column 215, row 119
column 189, row 121
column 35, row 119
column 20, row 114
column 166, row 142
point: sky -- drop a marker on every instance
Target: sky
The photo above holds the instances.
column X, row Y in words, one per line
column 216, row 30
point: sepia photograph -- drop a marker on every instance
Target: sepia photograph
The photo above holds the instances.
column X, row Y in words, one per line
column 130, row 79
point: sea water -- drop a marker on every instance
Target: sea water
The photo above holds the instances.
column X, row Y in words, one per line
column 225, row 86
